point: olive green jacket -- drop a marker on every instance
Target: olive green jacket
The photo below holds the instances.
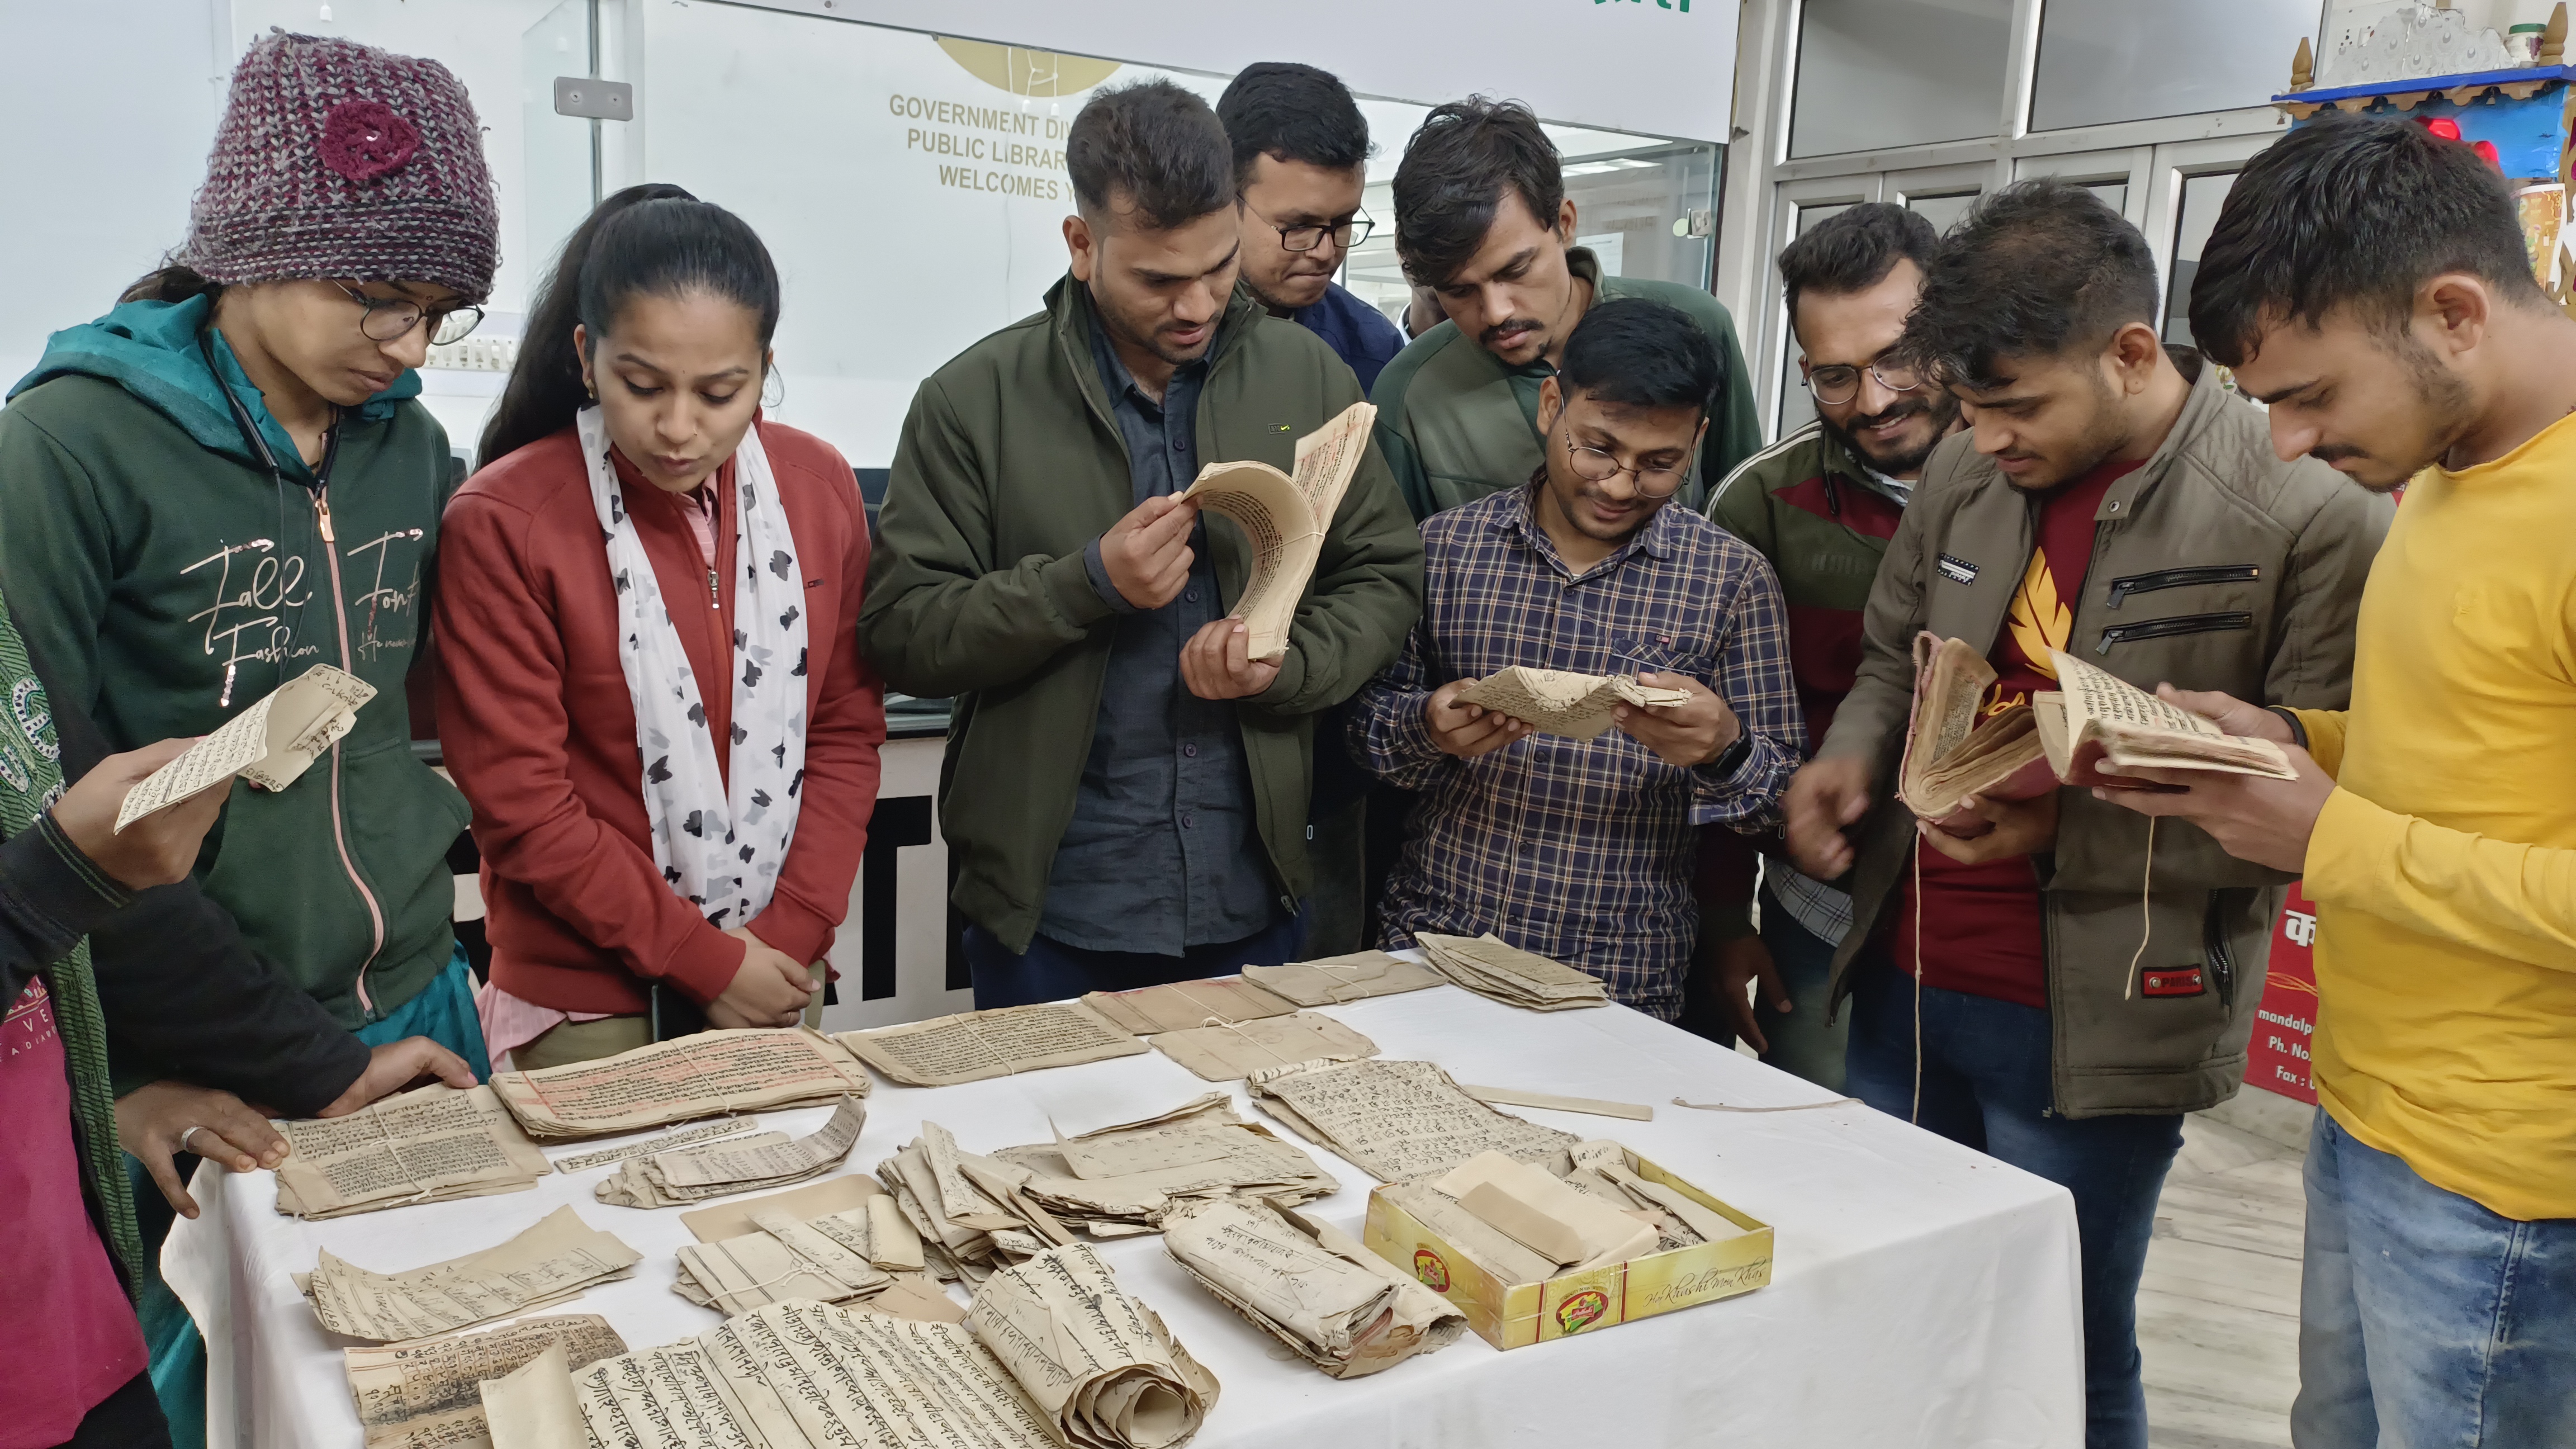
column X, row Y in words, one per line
column 1010, row 464
column 1456, row 424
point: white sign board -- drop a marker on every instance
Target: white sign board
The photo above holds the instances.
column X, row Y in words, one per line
column 1660, row 67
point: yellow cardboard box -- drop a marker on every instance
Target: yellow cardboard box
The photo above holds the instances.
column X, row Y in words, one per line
column 1510, row 1315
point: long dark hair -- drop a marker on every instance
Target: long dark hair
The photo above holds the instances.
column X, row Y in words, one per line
column 169, row 282
column 653, row 240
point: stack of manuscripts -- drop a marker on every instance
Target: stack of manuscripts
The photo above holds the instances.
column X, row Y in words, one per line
column 976, row 1213
column 557, row 1259
column 1486, row 966
column 1342, row 1308
column 702, row 1075
column 735, row 1165
column 1527, row 1222
column 1053, row 1354
column 1332, row 980
column 428, row 1145
column 425, row 1395
column 1399, row 1120
column 841, row 1240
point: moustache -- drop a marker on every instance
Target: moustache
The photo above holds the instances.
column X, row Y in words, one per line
column 2336, row 452
column 1498, row 336
column 1903, row 409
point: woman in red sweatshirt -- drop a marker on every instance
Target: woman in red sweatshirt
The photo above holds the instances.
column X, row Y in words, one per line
column 648, row 685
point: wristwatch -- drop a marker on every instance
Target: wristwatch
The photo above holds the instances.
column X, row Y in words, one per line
column 1732, row 758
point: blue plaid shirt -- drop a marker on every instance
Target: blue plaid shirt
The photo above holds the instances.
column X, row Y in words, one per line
column 1581, row 850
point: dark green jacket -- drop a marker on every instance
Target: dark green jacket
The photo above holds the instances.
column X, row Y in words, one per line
column 1009, row 466
column 50, row 896
column 148, row 556
column 1455, row 424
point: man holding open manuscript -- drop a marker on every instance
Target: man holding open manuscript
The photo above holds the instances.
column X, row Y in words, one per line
column 2078, row 984
column 1558, row 806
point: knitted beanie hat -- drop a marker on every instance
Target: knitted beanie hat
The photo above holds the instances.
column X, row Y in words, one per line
column 336, row 159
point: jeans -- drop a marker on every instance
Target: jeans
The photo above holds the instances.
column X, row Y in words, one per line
column 2425, row 1320
column 1986, row 1084
column 1808, row 1041
column 1053, row 971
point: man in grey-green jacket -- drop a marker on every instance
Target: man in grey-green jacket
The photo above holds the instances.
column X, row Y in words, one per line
column 1482, row 219
column 1125, row 793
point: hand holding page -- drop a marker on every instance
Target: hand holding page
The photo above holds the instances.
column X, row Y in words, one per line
column 2101, row 719
column 1285, row 518
column 270, row 743
column 1579, row 706
column 1951, row 754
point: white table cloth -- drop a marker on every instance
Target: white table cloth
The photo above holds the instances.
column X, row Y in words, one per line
column 1922, row 1294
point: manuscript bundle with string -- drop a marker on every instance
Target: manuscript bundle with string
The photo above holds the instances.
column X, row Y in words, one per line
column 1332, row 980
column 682, row 1079
column 428, row 1145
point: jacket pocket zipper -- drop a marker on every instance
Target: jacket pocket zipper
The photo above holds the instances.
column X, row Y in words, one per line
column 2181, row 578
column 2222, row 962
column 2179, row 624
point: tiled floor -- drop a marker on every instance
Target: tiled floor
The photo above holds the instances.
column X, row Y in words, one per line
column 2218, row 1312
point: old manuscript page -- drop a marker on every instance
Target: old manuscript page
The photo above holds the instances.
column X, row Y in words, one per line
column 271, row 743
column 1398, row 1120
column 1231, row 1053
column 557, row 1258
column 681, row 1079
column 1285, row 519
column 1181, row 1005
column 973, row 1045
column 1098, row 1364
column 426, row 1145
column 414, row 1387
column 532, row 1406
column 2140, row 731
column 1332, row 980
column 694, row 1174
column 1579, row 706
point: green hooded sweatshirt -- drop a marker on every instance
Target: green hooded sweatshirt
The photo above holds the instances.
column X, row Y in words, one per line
column 173, row 581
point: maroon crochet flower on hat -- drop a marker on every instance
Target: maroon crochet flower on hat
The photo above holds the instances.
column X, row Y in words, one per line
column 363, row 140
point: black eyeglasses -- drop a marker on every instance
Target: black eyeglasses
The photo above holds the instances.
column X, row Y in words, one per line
column 1346, row 233
column 1595, row 466
column 388, row 319
column 1839, row 384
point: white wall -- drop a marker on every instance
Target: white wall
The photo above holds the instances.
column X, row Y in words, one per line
column 106, row 112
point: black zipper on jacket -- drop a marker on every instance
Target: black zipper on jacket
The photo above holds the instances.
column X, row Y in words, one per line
column 2213, row 938
column 2179, row 624
column 2179, row 578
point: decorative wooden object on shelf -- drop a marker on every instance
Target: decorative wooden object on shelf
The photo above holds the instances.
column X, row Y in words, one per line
column 2553, row 39
column 2303, row 67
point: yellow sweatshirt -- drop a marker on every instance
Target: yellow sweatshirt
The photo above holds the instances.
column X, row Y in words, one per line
column 2444, row 865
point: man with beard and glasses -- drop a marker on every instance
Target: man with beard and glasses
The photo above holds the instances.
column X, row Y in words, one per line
column 1301, row 152
column 2370, row 283
column 1482, row 218
column 1582, row 849
column 1820, row 504
column 1125, row 791
column 2059, row 984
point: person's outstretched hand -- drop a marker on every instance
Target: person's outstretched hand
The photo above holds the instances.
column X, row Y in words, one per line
column 1746, row 973
column 396, row 1065
column 158, row 1122
column 157, row 850
column 769, row 988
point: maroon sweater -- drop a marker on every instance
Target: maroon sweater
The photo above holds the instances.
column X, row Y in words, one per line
column 539, row 730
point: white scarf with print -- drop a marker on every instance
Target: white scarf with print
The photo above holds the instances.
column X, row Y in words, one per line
column 719, row 851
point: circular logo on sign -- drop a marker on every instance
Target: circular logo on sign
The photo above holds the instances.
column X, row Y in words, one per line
column 27, row 702
column 1582, row 1310
column 1428, row 1267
